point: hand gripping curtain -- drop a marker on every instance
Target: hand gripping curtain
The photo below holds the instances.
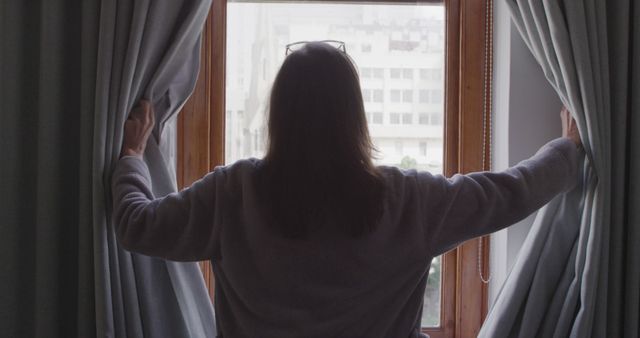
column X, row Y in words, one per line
column 578, row 273
column 147, row 49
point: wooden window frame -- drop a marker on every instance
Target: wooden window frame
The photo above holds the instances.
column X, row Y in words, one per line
column 201, row 140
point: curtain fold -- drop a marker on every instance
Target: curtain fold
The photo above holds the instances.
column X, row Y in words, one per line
column 47, row 85
column 147, row 49
column 578, row 273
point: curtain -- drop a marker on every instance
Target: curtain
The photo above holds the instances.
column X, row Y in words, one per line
column 578, row 273
column 47, row 84
column 147, row 49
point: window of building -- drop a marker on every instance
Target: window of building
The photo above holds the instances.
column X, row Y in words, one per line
column 365, row 72
column 395, row 95
column 423, row 118
column 395, row 73
column 423, row 96
column 236, row 44
column 431, row 74
column 436, row 119
column 407, row 95
column 424, row 74
column 407, row 73
column 407, row 118
column 366, row 48
column 378, row 95
column 394, row 118
column 366, row 95
column 377, row 118
column 378, row 73
column 436, row 96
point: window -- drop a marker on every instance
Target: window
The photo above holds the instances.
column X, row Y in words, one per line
column 378, row 73
column 395, row 95
column 423, row 96
column 436, row 96
column 203, row 143
column 366, row 95
column 407, row 73
column 377, row 95
column 377, row 118
column 394, row 118
column 432, row 96
column 407, row 118
column 365, row 72
column 423, row 118
column 430, row 74
column 436, row 119
column 366, row 48
column 407, row 95
column 424, row 74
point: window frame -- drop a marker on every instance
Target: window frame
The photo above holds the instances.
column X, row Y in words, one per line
column 467, row 77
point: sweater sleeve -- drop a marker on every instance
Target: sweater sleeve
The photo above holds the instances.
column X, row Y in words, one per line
column 476, row 204
column 180, row 226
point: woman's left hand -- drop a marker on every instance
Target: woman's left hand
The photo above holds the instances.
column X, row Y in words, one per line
column 137, row 129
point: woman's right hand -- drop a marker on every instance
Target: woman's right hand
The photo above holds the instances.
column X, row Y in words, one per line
column 137, row 129
column 569, row 127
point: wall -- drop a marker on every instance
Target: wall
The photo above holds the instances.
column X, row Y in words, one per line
column 525, row 116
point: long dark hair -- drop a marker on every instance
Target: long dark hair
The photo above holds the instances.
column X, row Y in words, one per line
column 318, row 170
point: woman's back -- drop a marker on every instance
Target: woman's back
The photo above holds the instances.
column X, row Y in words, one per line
column 326, row 285
column 329, row 284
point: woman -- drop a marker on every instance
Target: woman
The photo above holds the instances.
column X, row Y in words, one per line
column 314, row 240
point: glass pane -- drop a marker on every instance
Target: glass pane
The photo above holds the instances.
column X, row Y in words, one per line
column 399, row 51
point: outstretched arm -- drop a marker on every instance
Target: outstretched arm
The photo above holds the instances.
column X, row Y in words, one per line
column 179, row 226
column 476, row 204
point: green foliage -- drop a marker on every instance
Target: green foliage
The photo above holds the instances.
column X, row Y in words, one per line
column 431, row 311
column 408, row 163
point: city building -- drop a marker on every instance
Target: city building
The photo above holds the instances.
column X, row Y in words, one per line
column 400, row 58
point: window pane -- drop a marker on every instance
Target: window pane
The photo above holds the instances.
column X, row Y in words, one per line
column 391, row 44
column 377, row 118
column 377, row 95
column 407, row 95
column 423, row 118
column 436, row 96
column 424, row 96
column 436, row 118
column 395, row 95
column 378, row 73
column 366, row 95
column 407, row 118
column 394, row 118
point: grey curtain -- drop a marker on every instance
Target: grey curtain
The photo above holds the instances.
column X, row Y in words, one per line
column 147, row 49
column 578, row 273
column 47, row 84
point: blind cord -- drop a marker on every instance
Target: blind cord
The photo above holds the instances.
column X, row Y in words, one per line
column 487, row 121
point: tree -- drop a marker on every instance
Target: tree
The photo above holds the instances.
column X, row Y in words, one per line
column 408, row 163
